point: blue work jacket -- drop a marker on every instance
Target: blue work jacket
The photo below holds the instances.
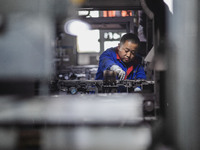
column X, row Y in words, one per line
column 134, row 70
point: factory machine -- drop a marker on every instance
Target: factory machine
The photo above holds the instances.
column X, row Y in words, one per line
column 50, row 99
column 74, row 78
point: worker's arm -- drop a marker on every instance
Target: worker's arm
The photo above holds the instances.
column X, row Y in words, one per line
column 140, row 74
column 107, row 63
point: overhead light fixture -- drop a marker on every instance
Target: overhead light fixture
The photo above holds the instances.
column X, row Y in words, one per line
column 76, row 27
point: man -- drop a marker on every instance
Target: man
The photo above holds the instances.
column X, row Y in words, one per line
column 122, row 59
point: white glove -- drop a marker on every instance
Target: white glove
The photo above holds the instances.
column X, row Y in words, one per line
column 121, row 73
column 137, row 89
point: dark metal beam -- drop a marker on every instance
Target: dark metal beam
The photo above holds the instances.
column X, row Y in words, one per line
column 112, row 4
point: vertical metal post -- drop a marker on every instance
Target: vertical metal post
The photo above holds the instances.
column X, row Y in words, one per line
column 182, row 75
column 102, row 40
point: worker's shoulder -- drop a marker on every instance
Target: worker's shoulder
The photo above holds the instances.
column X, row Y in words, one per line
column 110, row 50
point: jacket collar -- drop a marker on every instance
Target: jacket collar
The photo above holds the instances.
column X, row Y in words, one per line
column 116, row 51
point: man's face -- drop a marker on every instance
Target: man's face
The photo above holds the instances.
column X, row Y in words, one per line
column 127, row 51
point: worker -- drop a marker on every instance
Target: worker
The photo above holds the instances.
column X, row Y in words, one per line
column 123, row 59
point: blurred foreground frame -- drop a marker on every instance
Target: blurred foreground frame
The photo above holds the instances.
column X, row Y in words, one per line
column 27, row 39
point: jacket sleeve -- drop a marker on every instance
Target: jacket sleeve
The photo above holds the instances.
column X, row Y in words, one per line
column 106, row 60
column 140, row 74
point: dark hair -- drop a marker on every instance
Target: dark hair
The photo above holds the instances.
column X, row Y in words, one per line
column 129, row 37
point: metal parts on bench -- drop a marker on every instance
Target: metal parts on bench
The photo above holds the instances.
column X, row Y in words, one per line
column 103, row 86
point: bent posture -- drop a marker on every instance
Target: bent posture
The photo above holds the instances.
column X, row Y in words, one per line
column 122, row 59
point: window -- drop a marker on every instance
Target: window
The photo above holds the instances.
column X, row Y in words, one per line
column 88, row 42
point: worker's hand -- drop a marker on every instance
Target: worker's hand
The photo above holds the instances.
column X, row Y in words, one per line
column 121, row 73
